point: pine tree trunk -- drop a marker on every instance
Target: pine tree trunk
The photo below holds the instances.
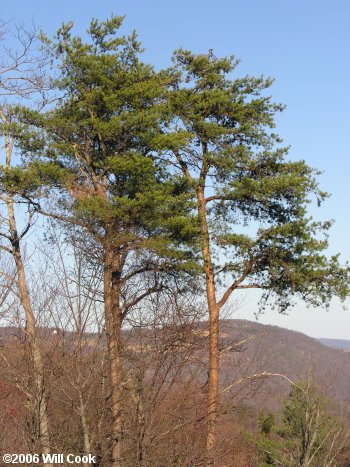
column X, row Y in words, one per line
column 213, row 377
column 113, row 319
column 213, row 382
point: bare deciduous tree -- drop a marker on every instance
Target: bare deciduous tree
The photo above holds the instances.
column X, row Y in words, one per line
column 22, row 76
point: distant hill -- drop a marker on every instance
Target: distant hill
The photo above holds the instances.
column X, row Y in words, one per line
column 336, row 343
column 249, row 348
column 293, row 354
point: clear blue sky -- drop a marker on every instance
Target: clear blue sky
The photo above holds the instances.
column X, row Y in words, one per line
column 302, row 44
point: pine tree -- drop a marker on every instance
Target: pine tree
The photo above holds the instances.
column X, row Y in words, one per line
column 251, row 200
column 310, row 435
column 94, row 148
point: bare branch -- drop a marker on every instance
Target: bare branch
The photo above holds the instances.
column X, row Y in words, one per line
column 237, row 346
column 134, row 302
column 264, row 374
column 236, row 284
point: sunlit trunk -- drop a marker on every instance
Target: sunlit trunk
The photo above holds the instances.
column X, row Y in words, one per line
column 213, row 308
column 40, row 396
column 113, row 319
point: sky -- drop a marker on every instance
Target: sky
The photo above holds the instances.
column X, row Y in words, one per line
column 302, row 44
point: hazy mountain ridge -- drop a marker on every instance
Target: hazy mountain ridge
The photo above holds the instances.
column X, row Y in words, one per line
column 250, row 348
column 336, row 343
column 295, row 355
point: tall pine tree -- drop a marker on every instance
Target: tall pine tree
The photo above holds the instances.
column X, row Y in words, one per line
column 94, row 147
column 251, row 201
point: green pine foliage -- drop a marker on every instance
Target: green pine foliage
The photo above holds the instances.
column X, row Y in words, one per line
column 99, row 138
column 220, row 134
column 129, row 147
column 308, row 435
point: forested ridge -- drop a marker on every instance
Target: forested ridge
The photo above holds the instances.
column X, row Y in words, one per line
column 135, row 204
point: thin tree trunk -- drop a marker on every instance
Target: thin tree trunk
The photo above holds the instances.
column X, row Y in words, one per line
column 38, row 367
column 213, row 308
column 141, row 422
column 40, row 395
column 80, row 386
column 84, row 426
column 113, row 327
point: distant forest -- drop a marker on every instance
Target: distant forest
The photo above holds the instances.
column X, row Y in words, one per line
column 135, row 204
